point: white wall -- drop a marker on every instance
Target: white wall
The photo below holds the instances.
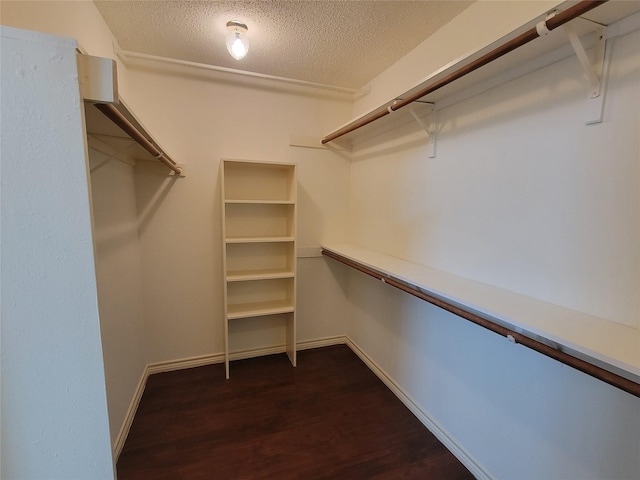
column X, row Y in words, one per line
column 525, row 196
column 54, row 410
column 119, row 283
column 78, row 19
column 115, row 217
column 208, row 117
column 73, row 19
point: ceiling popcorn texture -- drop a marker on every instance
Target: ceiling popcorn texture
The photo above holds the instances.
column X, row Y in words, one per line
column 344, row 43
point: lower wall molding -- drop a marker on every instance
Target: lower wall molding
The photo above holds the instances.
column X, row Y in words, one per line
column 432, row 425
column 131, row 413
column 322, row 342
column 203, row 360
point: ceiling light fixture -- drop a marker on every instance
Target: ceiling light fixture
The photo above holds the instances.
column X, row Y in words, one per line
column 237, row 40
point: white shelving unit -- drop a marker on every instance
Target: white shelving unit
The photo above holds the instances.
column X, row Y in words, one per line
column 259, row 244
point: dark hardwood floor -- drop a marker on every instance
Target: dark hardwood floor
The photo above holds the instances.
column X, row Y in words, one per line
column 329, row 418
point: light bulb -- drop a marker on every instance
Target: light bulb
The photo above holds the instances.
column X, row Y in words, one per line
column 238, row 49
column 237, row 41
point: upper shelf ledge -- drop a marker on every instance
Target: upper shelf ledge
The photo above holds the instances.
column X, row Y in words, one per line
column 509, row 57
column 99, row 87
column 604, row 349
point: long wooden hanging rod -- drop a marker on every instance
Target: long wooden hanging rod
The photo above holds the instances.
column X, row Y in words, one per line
column 127, row 127
column 595, row 371
column 551, row 24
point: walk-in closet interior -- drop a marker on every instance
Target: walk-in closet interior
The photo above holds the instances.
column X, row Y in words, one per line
column 466, row 220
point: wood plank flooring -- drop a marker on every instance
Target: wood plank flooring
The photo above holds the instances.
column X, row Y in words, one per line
column 328, row 418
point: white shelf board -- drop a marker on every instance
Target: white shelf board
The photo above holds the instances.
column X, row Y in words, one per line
column 246, row 275
column 537, row 54
column 610, row 345
column 261, row 163
column 259, row 309
column 109, row 134
column 259, row 202
column 259, row 239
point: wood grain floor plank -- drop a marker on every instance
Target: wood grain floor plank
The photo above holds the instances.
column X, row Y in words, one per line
column 329, row 418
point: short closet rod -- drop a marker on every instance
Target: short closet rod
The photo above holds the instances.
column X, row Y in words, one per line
column 550, row 24
column 121, row 121
column 595, row 371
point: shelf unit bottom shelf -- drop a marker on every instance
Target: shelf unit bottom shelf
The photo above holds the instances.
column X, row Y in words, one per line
column 262, row 309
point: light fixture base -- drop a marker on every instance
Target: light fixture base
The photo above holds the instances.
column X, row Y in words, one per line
column 236, row 25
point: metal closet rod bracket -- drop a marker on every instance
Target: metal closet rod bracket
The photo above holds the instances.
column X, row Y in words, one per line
column 595, row 70
column 430, row 128
column 94, row 142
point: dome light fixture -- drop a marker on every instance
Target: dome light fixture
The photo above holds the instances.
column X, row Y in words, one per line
column 237, row 40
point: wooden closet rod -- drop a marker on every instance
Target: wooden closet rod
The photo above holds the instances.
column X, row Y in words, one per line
column 551, row 23
column 127, row 127
column 613, row 379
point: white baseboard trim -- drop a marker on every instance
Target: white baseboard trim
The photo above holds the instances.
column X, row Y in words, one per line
column 322, row 342
column 131, row 413
column 432, row 425
column 183, row 363
column 202, row 360
column 305, row 345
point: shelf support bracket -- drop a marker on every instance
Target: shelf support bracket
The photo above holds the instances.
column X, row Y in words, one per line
column 110, row 151
column 429, row 128
column 101, row 164
column 594, row 70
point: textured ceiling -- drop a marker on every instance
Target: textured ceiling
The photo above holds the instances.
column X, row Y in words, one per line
column 344, row 43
